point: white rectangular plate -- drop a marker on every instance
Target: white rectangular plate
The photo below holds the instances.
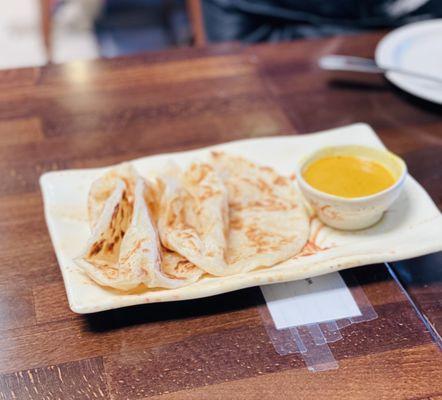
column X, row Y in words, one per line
column 412, row 227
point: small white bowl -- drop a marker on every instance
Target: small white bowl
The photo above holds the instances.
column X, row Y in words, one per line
column 357, row 212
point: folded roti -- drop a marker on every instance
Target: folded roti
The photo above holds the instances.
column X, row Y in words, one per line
column 267, row 220
column 124, row 251
column 193, row 215
column 173, row 264
column 102, row 188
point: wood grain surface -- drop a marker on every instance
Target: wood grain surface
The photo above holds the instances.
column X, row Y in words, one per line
column 97, row 113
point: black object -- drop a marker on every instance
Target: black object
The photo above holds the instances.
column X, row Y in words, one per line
column 276, row 20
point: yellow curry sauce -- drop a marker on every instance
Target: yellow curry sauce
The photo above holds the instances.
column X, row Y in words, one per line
column 348, row 176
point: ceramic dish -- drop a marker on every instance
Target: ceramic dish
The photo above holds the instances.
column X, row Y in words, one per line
column 413, row 215
column 353, row 213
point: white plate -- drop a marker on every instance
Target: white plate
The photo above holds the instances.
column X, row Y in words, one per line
column 415, row 47
column 412, row 227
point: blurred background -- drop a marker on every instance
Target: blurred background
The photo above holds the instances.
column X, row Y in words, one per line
column 32, row 32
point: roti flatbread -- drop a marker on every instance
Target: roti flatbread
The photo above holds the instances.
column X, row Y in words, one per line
column 222, row 217
column 102, row 188
column 231, row 216
column 193, row 215
column 267, row 220
column 124, row 250
column 106, row 257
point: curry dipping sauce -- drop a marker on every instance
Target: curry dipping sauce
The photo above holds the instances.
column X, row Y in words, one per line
column 348, row 176
column 350, row 187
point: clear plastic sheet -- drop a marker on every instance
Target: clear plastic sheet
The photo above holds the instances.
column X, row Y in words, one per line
column 312, row 341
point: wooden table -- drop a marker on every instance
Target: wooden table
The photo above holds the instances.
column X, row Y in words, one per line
column 89, row 114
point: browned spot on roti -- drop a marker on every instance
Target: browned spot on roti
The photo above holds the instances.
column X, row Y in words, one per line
column 280, row 181
column 170, row 276
column 312, row 246
column 264, row 186
column 198, row 172
column 109, row 271
column 268, row 204
column 265, row 241
column 114, row 214
column 185, row 265
column 132, row 251
column 96, row 248
column 236, row 223
column 257, row 237
column 177, row 217
column 207, row 193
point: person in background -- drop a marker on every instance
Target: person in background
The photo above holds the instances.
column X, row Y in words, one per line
column 276, row 20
